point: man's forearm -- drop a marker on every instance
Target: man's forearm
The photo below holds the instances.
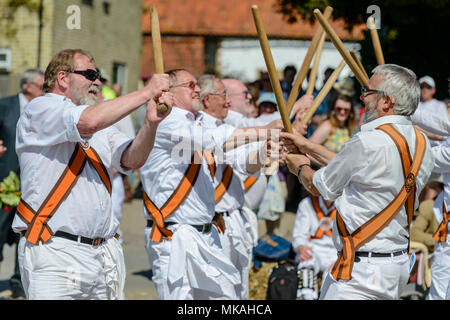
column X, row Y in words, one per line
column 306, row 179
column 106, row 113
column 318, row 154
column 138, row 151
column 243, row 136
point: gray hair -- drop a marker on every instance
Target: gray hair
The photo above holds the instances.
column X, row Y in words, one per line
column 400, row 83
column 29, row 76
column 207, row 84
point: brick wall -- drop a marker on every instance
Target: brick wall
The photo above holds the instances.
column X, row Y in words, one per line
column 185, row 52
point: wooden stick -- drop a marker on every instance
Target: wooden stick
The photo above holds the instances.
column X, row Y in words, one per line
column 271, row 69
column 341, row 48
column 306, row 62
column 375, row 41
column 355, row 57
column 313, row 74
column 157, row 49
column 323, row 93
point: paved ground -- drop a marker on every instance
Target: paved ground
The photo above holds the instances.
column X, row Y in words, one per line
column 138, row 282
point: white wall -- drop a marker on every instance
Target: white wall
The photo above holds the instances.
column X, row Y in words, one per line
column 243, row 58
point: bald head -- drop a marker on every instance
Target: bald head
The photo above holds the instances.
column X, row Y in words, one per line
column 239, row 96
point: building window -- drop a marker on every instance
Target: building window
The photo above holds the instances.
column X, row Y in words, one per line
column 106, row 6
column 120, row 75
column 5, row 60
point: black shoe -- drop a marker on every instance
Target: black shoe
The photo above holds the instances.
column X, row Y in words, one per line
column 17, row 290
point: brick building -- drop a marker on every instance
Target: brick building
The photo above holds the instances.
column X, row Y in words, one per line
column 109, row 29
column 220, row 36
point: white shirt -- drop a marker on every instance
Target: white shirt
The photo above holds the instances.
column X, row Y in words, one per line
column 366, row 175
column 238, row 120
column 306, row 225
column 46, row 137
column 255, row 194
column 170, row 158
column 125, row 125
column 431, row 122
column 22, row 102
column 234, row 197
column 434, row 106
column 442, row 165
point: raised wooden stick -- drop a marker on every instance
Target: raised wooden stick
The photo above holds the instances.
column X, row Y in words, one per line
column 355, row 57
column 375, row 41
column 157, row 49
column 313, row 74
column 306, row 63
column 271, row 69
column 323, row 92
column 341, row 48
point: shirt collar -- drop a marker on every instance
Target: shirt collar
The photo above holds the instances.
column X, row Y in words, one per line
column 395, row 119
column 22, row 101
column 209, row 119
column 177, row 111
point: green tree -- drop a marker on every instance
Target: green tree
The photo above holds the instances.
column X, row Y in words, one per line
column 413, row 32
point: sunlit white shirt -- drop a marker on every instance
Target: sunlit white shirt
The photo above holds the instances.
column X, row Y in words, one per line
column 46, row 138
column 442, row 165
column 175, row 139
column 237, row 120
column 234, row 197
column 366, row 175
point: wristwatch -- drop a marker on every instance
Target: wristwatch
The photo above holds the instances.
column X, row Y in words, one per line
column 300, row 168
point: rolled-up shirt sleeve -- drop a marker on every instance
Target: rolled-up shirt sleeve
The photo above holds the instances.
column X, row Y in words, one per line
column 118, row 142
column 331, row 180
column 48, row 121
column 441, row 159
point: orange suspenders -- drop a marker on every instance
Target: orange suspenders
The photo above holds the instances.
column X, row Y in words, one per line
column 249, row 182
column 37, row 221
column 441, row 232
column 320, row 215
column 181, row 193
column 351, row 243
column 175, row 200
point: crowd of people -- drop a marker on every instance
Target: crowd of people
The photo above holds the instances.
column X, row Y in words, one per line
column 369, row 182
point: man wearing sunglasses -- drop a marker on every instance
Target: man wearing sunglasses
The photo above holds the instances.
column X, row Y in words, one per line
column 367, row 179
column 67, row 151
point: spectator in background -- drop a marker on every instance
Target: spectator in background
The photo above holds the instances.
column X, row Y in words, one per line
column 339, row 127
column 117, row 88
column 107, row 92
column 11, row 108
column 289, row 73
column 427, row 102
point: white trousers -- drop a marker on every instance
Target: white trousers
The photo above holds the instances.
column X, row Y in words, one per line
column 63, row 269
column 237, row 243
column 191, row 266
column 372, row 279
column 440, row 272
column 117, row 198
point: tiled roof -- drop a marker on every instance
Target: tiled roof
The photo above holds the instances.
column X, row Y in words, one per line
column 232, row 18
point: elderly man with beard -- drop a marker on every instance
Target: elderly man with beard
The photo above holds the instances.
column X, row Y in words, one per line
column 67, row 151
column 183, row 246
column 375, row 181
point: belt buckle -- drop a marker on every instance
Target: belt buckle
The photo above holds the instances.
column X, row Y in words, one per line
column 96, row 241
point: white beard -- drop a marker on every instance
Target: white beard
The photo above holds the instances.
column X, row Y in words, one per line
column 370, row 113
column 197, row 106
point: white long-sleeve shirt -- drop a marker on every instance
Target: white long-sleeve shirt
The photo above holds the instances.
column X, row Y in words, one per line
column 46, row 138
column 366, row 175
column 175, row 139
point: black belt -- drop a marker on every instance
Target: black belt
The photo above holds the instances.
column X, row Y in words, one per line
column 225, row 213
column 204, row 228
column 377, row 255
column 69, row 236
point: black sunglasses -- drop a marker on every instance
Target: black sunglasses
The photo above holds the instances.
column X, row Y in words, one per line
column 365, row 90
column 89, row 74
column 425, row 86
